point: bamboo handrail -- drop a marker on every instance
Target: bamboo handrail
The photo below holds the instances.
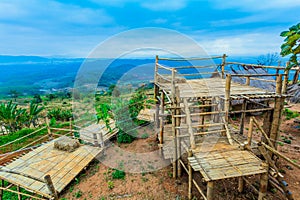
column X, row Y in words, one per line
column 253, row 75
column 185, row 59
column 163, row 67
column 195, row 67
column 23, row 137
column 261, row 79
column 21, row 193
column 280, row 155
column 197, row 74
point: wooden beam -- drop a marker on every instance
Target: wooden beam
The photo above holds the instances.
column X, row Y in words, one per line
column 189, row 123
column 1, row 190
column 227, row 97
column 280, row 155
column 19, row 194
column 48, row 129
column 190, row 183
column 241, row 184
column 243, row 116
column 50, row 186
column 223, row 65
column 250, row 132
column 210, row 190
column 263, row 186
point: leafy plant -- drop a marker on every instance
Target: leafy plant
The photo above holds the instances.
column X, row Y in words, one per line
column 118, row 174
column 290, row 114
column 291, row 45
column 111, row 185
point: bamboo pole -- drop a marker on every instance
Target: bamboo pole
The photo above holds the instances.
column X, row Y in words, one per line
column 24, row 194
column 243, row 115
column 210, row 190
column 1, row 190
column 95, row 140
column 286, row 78
column 19, row 195
column 280, row 155
column 189, row 123
column 50, row 186
column 263, row 186
column 223, row 65
column 227, row 97
column 247, row 80
column 296, row 76
column 177, row 123
column 263, row 132
column 250, row 132
column 277, row 112
column 241, row 184
column 48, row 129
column 253, row 188
column 190, row 183
column 161, row 132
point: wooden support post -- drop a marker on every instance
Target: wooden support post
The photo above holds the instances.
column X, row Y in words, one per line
column 227, row 97
column 156, row 93
column 263, row 186
column 19, row 195
column 101, row 138
column 71, row 127
column 162, row 108
column 223, row 65
column 1, row 190
column 278, row 105
column 285, row 79
column 296, row 76
column 175, row 142
column 177, row 124
column 48, row 129
column 267, row 121
column 243, row 115
column 210, row 190
column 95, row 140
column 250, row 132
column 50, row 186
column 248, row 80
column 241, row 184
column 190, row 154
column 189, row 123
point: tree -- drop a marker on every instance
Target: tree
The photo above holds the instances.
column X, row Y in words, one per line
column 12, row 117
column 34, row 113
column 268, row 59
column 291, row 45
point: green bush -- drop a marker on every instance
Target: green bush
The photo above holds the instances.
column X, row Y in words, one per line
column 123, row 137
column 59, row 114
column 118, row 174
column 290, row 114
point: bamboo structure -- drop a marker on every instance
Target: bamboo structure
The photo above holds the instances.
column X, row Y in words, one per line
column 46, row 171
column 200, row 110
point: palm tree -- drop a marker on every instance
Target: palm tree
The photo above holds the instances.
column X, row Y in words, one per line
column 34, row 112
column 12, row 116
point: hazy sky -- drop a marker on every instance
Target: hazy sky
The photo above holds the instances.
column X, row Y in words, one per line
column 74, row 27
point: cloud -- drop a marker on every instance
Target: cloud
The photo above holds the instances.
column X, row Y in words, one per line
column 256, row 5
column 164, row 5
column 242, row 44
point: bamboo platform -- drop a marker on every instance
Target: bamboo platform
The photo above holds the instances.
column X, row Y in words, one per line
column 98, row 133
column 62, row 167
column 229, row 162
column 212, row 87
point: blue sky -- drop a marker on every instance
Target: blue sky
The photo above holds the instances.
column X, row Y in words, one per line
column 73, row 28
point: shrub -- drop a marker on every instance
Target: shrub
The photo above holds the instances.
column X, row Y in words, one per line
column 118, row 174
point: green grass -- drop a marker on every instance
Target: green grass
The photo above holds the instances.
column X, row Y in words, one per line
column 290, row 114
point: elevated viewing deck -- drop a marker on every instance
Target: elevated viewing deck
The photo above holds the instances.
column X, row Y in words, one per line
column 193, row 108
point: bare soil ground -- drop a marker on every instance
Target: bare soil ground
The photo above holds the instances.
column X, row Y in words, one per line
column 97, row 183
